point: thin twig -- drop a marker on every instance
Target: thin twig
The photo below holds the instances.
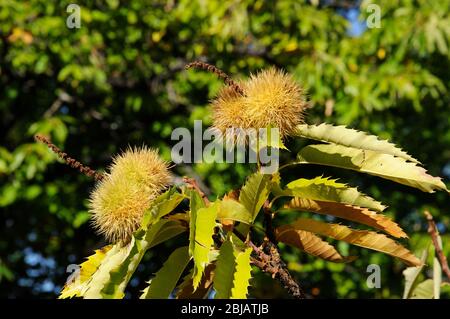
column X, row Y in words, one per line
column 220, row 74
column 272, row 264
column 192, row 183
column 434, row 233
column 268, row 216
column 86, row 170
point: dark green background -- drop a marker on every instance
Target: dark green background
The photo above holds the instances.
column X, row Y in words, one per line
column 119, row 80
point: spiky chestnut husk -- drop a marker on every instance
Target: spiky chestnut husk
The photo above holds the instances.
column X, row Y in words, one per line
column 120, row 199
column 271, row 98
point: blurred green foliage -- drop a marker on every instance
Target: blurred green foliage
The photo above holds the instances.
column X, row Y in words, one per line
column 120, row 79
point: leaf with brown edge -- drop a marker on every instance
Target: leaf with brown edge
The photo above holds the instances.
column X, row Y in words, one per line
column 310, row 244
column 349, row 212
column 362, row 238
column 186, row 288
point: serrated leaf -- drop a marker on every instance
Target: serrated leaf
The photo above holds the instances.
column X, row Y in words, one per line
column 254, row 193
column 166, row 230
column 233, row 272
column 165, row 280
column 102, row 277
column 118, row 265
column 87, row 269
column 161, row 206
column 325, row 189
column 310, row 243
column 242, row 275
column 196, row 202
column 233, row 210
column 353, row 213
column 386, row 166
column 186, row 288
column 121, row 274
column 412, row 273
column 225, row 268
column 204, row 229
column 362, row 238
column 345, row 136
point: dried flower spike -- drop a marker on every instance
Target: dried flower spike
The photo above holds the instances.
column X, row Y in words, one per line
column 84, row 169
column 120, row 200
column 271, row 98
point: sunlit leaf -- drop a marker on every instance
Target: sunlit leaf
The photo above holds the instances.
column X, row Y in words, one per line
column 165, row 280
column 386, row 166
column 362, row 238
column 226, row 265
column 77, row 284
column 204, row 229
column 353, row 213
column 325, row 189
column 345, row 136
column 412, row 273
column 255, row 192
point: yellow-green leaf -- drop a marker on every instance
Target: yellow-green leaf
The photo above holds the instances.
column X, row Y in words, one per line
column 119, row 263
column 233, row 210
column 226, row 264
column 242, row 275
column 255, row 192
column 352, row 138
column 87, row 269
column 196, row 202
column 310, row 243
column 161, row 206
column 204, row 229
column 329, row 190
column 353, row 213
column 362, row 238
column 165, row 280
column 386, row 166
column 424, row 290
column 412, row 273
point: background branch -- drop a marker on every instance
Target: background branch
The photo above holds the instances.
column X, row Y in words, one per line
column 434, row 233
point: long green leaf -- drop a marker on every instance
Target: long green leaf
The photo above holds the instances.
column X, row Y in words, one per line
column 242, row 275
column 224, row 277
column 386, row 166
column 121, row 274
column 165, row 280
column 329, row 190
column 196, row 202
column 78, row 283
column 255, row 192
column 342, row 135
column 204, row 229
column 112, row 272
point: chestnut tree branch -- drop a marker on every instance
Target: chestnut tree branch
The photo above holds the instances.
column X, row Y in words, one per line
column 434, row 233
column 267, row 257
